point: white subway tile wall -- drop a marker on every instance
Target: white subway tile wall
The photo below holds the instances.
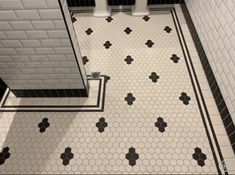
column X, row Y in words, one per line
column 215, row 24
column 35, row 49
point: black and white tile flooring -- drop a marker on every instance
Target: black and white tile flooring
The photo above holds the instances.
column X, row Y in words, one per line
column 151, row 123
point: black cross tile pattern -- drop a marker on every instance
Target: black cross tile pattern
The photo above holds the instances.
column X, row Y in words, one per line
column 43, row 125
column 4, row 155
column 107, row 44
column 146, row 18
column 66, row 156
column 149, row 43
column 109, row 19
column 128, row 30
column 74, row 19
column 160, row 124
column 132, row 156
column 168, row 29
column 89, row 31
column 85, row 60
column 154, row 77
column 129, row 59
column 175, row 58
column 101, row 124
column 130, row 99
column 185, row 98
column 107, row 78
column 199, row 157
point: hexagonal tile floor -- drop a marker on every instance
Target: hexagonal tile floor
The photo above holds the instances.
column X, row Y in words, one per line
column 152, row 122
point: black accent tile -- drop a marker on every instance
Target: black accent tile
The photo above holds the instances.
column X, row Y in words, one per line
column 160, row 124
column 154, row 77
column 80, row 3
column 107, row 78
column 89, row 31
column 185, row 98
column 101, row 125
column 109, row 19
column 168, row 29
column 230, row 129
column 175, row 58
column 50, row 93
column 85, row 60
column 107, row 44
column 43, row 125
column 149, row 43
column 132, row 156
column 129, row 59
column 3, row 88
column 152, row 2
column 74, row 19
column 67, row 156
column 199, row 157
column 146, row 18
column 120, row 2
column 128, row 30
column 4, row 155
column 130, row 99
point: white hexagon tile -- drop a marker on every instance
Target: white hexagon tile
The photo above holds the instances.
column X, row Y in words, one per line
column 151, row 123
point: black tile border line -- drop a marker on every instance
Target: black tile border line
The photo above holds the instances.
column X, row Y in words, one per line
column 67, row 110
column 55, row 106
column 218, row 97
column 192, row 73
column 48, row 93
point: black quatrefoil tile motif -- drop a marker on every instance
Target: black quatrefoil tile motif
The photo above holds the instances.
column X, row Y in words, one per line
column 66, row 156
column 107, row 44
column 74, row 19
column 149, row 43
column 89, row 31
column 132, row 156
column 101, row 124
column 185, row 98
column 175, row 58
column 128, row 30
column 43, row 125
column 107, row 78
column 129, row 60
column 85, row 60
column 146, row 18
column 168, row 29
column 160, row 124
column 109, row 19
column 154, row 77
column 130, row 99
column 4, row 155
column 199, row 157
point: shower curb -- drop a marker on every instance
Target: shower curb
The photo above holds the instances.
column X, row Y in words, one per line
column 218, row 97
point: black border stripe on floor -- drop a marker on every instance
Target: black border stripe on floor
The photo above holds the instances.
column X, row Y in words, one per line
column 55, row 108
column 179, row 31
column 220, row 102
column 201, row 95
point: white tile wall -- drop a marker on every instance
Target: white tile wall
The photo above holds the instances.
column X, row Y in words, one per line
column 215, row 24
column 35, row 50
